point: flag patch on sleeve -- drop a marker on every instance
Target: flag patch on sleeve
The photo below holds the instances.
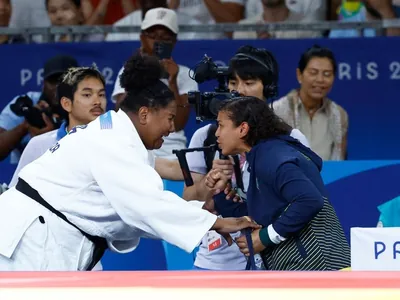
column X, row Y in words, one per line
column 106, row 121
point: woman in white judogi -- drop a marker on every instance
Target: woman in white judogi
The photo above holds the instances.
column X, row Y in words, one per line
column 100, row 179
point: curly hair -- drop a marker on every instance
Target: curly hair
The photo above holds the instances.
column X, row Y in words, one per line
column 141, row 81
column 262, row 120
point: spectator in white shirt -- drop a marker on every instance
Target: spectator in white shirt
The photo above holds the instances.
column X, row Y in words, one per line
column 272, row 11
column 135, row 19
column 160, row 25
column 211, row 11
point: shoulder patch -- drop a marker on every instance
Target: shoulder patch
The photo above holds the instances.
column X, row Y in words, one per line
column 106, row 121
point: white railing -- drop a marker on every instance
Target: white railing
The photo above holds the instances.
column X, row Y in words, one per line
column 48, row 33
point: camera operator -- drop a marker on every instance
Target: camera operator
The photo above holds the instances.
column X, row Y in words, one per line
column 15, row 130
column 82, row 95
column 158, row 38
column 252, row 72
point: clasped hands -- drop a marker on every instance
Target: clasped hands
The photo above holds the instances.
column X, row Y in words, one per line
column 217, row 180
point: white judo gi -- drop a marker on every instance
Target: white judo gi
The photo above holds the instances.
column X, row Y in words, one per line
column 101, row 179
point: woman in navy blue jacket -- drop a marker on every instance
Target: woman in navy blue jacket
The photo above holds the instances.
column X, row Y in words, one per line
column 286, row 193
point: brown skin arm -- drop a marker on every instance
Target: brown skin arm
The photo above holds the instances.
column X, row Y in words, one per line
column 198, row 191
column 168, row 169
column 225, row 12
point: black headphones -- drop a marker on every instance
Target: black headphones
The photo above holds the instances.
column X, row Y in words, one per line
column 270, row 90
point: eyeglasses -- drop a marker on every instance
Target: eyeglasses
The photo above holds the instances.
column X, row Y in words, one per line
column 163, row 38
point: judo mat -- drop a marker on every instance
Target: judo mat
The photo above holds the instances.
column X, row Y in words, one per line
column 193, row 285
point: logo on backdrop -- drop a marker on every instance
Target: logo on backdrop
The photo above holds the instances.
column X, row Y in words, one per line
column 29, row 76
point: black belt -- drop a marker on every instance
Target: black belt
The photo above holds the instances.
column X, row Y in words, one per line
column 100, row 244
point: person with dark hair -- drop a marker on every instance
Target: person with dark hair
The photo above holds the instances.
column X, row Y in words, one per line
column 323, row 122
column 5, row 16
column 158, row 38
column 286, row 194
column 96, row 189
column 81, row 93
column 281, row 11
column 253, row 72
column 69, row 13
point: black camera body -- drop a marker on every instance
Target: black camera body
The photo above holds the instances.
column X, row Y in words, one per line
column 24, row 107
column 207, row 104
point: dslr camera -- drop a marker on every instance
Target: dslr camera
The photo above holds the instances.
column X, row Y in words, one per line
column 207, row 104
column 24, row 107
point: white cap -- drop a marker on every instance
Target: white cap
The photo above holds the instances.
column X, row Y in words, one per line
column 161, row 16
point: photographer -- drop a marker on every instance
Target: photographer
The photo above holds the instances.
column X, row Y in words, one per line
column 158, row 38
column 252, row 72
column 81, row 93
column 15, row 130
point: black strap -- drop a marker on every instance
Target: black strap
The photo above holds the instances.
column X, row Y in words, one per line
column 238, row 172
column 211, row 139
column 100, row 244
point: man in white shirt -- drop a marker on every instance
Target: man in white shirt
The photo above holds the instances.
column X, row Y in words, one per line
column 160, row 25
column 271, row 11
column 135, row 19
column 81, row 93
column 211, row 12
column 96, row 188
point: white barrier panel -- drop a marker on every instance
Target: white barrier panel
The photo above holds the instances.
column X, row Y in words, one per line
column 375, row 249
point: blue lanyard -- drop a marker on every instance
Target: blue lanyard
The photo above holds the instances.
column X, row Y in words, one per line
column 251, row 263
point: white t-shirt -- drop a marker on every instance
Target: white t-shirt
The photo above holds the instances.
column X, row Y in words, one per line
column 224, row 257
column 176, row 140
column 135, row 19
column 196, row 9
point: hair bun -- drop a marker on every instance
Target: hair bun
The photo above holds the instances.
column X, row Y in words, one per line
column 140, row 71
